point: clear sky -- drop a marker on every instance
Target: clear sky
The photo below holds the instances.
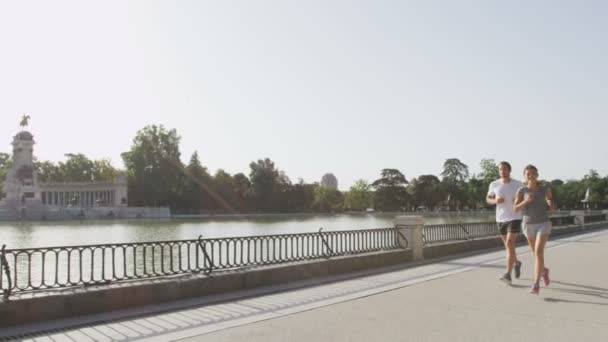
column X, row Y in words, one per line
column 342, row 86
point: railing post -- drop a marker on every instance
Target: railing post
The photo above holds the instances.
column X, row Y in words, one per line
column 579, row 218
column 7, row 270
column 326, row 256
column 411, row 228
column 201, row 245
column 605, row 212
column 464, row 229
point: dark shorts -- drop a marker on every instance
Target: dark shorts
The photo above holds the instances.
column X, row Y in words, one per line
column 509, row 227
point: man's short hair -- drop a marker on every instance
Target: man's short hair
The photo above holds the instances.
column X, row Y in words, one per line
column 505, row 164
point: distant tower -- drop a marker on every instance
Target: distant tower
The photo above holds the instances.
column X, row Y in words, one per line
column 329, row 180
column 20, row 186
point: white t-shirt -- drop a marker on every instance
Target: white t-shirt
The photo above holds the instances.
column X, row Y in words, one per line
column 505, row 211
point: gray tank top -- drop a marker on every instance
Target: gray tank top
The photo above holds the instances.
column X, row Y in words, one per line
column 537, row 211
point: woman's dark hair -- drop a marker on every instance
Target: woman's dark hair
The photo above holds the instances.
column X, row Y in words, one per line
column 505, row 164
column 530, row 167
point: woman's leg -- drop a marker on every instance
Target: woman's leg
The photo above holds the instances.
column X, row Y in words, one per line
column 532, row 243
column 539, row 255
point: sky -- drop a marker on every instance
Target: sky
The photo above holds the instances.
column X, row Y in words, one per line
column 342, row 86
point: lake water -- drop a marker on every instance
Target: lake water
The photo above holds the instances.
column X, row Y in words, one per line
column 43, row 234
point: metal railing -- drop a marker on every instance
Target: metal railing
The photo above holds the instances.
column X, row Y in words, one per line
column 440, row 233
column 595, row 218
column 34, row 269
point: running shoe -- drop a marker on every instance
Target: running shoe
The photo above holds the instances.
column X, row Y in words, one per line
column 546, row 278
column 535, row 289
column 506, row 278
column 517, row 269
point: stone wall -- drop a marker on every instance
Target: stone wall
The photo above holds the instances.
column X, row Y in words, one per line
column 96, row 213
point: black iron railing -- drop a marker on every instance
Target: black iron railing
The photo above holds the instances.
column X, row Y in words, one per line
column 34, row 269
column 440, row 233
column 595, row 218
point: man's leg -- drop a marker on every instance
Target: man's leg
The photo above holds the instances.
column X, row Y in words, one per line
column 510, row 240
column 503, row 231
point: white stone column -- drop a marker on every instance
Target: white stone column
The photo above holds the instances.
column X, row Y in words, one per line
column 579, row 217
column 411, row 227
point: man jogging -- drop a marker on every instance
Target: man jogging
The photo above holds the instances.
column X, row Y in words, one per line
column 502, row 193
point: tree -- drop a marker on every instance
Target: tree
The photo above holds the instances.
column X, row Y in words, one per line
column 199, row 188
column 264, row 179
column 597, row 188
column 103, row 170
column 426, row 191
column 302, row 196
column 328, row 199
column 155, row 172
column 476, row 191
column 455, row 174
column 242, row 191
column 359, row 197
column 489, row 171
column 5, row 165
column 390, row 194
column 455, row 171
column 78, row 168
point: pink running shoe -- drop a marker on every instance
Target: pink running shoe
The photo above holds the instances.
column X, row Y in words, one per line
column 546, row 278
column 535, row 289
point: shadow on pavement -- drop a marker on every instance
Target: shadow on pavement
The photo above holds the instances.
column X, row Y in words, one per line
column 555, row 300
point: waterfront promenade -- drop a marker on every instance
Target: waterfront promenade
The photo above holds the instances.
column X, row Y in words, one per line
column 454, row 299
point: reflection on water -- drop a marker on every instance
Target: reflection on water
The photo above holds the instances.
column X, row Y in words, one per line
column 42, row 234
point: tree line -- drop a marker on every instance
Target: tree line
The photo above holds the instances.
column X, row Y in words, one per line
column 157, row 177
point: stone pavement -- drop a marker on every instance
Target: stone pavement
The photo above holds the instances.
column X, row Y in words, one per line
column 451, row 300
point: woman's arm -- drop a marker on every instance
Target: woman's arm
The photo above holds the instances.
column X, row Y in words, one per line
column 520, row 203
column 519, row 198
column 549, row 200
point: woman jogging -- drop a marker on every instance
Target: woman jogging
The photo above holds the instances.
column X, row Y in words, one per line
column 536, row 201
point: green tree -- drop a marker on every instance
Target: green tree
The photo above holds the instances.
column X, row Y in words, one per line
column 455, row 174
column 390, row 191
column 224, row 189
column 328, row 199
column 242, row 191
column 427, row 191
column 103, row 170
column 77, row 168
column 155, row 172
column 597, row 188
column 270, row 187
column 302, row 197
column 199, row 193
column 476, row 191
column 359, row 197
column 489, row 171
column 48, row 172
column 5, row 165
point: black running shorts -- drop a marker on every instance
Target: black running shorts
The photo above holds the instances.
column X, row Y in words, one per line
column 509, row 227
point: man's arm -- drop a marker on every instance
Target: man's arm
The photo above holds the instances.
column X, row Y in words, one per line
column 549, row 199
column 491, row 199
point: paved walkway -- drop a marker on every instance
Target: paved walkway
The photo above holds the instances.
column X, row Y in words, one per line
column 454, row 300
